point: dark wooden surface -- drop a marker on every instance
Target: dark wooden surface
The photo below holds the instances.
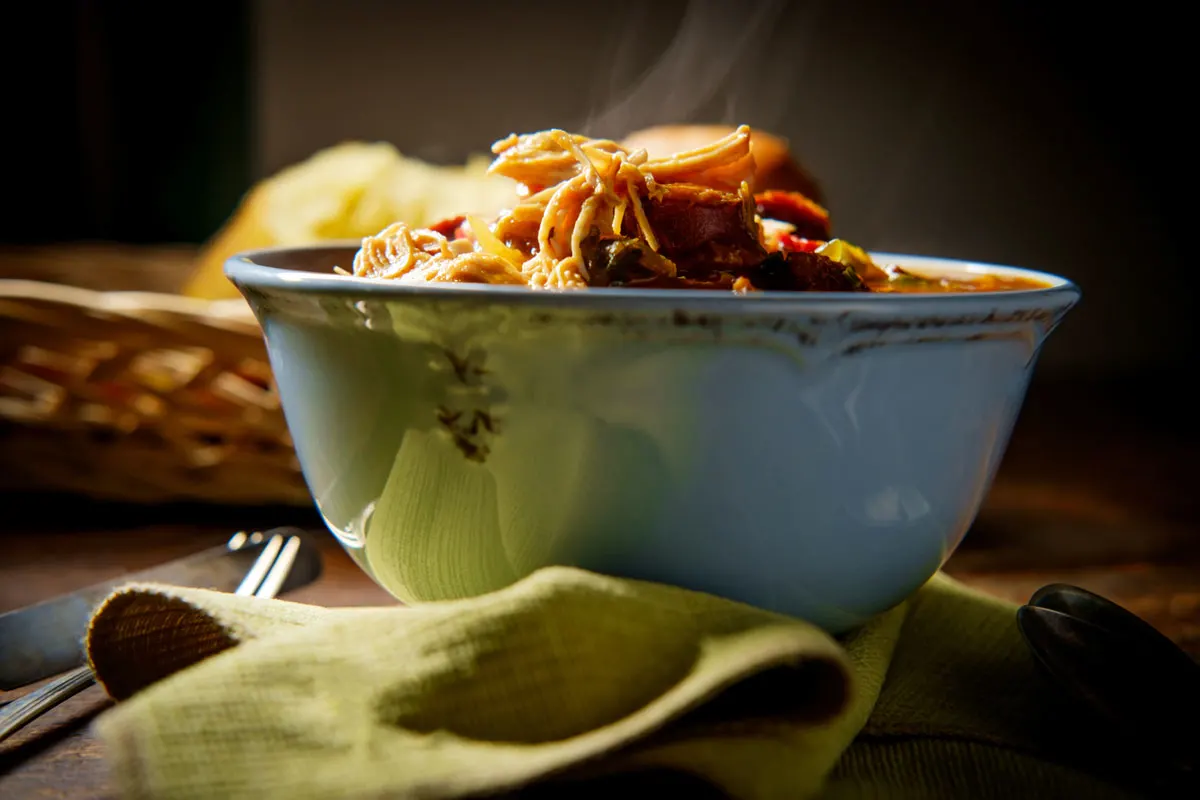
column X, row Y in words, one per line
column 1095, row 490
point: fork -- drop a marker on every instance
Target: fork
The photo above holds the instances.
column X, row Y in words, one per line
column 264, row 579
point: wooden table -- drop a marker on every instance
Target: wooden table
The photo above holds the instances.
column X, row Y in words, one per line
column 1093, row 491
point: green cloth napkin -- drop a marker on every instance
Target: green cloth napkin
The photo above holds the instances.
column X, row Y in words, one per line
column 573, row 684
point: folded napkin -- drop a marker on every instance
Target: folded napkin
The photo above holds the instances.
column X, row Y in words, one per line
column 573, row 684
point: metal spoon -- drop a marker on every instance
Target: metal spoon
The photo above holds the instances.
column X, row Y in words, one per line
column 1122, row 668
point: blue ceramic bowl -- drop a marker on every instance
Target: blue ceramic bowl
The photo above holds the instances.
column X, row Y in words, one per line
column 817, row 454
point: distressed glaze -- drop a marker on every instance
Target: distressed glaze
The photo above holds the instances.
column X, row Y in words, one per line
column 820, row 455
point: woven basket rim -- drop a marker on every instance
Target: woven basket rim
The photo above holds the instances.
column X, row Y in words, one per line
column 128, row 302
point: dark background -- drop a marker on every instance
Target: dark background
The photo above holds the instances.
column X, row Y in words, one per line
column 1017, row 132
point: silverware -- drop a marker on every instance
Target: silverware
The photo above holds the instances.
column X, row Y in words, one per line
column 46, row 639
column 1121, row 668
column 278, row 555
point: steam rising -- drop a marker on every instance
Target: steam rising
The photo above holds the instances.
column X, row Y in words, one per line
column 717, row 47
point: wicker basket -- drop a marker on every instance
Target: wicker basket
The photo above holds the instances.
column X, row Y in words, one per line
column 141, row 396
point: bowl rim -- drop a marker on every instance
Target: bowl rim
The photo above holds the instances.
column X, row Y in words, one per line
column 245, row 272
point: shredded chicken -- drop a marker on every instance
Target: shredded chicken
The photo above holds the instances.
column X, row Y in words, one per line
column 402, row 253
column 591, row 212
column 569, row 185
